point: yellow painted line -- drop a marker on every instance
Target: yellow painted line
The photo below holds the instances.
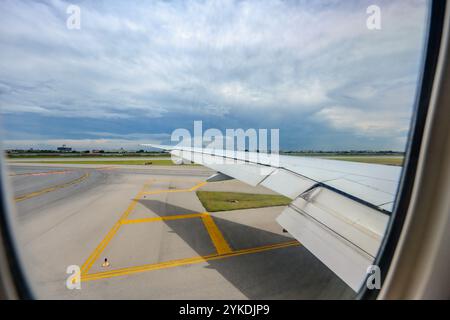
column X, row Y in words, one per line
column 199, row 185
column 50, row 189
column 216, row 236
column 99, row 249
column 154, row 219
column 44, row 173
column 182, row 262
column 123, row 220
column 131, row 206
column 94, row 255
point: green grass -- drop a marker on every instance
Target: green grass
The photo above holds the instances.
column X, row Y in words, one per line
column 393, row 161
column 112, row 162
column 225, row 201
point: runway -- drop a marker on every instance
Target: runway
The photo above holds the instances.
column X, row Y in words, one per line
column 158, row 239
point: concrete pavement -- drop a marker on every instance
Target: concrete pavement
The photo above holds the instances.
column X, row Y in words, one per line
column 157, row 237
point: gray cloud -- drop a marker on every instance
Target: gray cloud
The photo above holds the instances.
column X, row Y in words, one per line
column 304, row 60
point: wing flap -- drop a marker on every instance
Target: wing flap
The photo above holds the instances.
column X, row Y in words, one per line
column 287, row 183
column 353, row 221
column 344, row 258
column 361, row 191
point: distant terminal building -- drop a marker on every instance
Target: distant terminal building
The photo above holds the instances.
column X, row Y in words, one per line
column 64, row 148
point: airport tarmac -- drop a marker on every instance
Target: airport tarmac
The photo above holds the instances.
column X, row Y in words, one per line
column 158, row 239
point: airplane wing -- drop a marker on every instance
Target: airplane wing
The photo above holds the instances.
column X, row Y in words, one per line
column 339, row 210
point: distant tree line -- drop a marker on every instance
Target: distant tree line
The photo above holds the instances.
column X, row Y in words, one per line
column 11, row 153
column 17, row 153
column 344, row 152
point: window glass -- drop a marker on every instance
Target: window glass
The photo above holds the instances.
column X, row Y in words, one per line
column 327, row 86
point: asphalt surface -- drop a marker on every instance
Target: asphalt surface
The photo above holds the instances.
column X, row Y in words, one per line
column 156, row 236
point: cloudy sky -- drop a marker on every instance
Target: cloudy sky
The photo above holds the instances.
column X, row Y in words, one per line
column 137, row 70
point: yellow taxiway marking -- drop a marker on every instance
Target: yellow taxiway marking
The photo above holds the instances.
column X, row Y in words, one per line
column 216, row 236
column 44, row 173
column 94, row 255
column 155, row 219
column 50, row 189
column 87, row 265
column 214, row 233
column 201, row 184
column 181, row 262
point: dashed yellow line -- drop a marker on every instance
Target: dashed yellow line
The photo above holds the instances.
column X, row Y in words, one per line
column 155, row 219
column 50, row 189
column 216, row 236
column 181, row 262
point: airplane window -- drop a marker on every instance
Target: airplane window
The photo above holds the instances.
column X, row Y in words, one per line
column 205, row 149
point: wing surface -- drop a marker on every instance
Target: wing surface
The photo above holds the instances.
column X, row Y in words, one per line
column 339, row 209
